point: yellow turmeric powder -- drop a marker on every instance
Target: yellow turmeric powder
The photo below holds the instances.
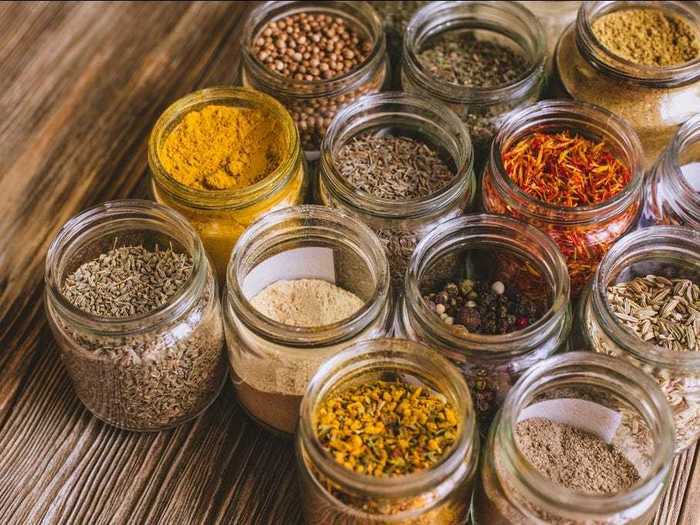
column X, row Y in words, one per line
column 222, row 147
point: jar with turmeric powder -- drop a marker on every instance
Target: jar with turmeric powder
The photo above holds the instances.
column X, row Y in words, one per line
column 224, row 157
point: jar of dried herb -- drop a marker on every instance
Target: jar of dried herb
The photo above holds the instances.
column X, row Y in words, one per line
column 642, row 307
column 314, row 57
column 581, row 439
column 672, row 194
column 272, row 361
column 574, row 171
column 407, row 454
column 654, row 84
column 526, row 269
column 482, row 59
column 133, row 303
column 400, row 164
column 223, row 157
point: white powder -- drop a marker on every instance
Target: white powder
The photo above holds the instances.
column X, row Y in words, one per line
column 306, row 302
column 691, row 172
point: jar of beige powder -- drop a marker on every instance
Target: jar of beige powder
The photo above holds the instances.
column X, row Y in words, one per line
column 303, row 283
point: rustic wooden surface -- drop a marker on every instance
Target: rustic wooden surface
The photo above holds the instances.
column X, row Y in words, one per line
column 80, row 87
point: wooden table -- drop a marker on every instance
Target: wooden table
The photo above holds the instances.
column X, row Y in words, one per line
column 80, row 87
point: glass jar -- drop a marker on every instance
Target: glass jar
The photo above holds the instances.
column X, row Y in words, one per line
column 505, row 23
column 672, row 197
column 220, row 216
column 670, row 251
column 148, row 372
column 596, row 394
column 488, row 247
column 583, row 234
column 313, row 104
column 654, row 100
column 438, row 496
column 271, row 363
column 399, row 224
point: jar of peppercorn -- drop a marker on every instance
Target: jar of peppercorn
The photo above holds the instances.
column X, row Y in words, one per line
column 314, row 57
column 573, row 170
column 492, row 294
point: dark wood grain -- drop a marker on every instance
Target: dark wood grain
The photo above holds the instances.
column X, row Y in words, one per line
column 80, row 87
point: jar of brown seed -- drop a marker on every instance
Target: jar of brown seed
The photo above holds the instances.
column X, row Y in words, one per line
column 314, row 57
column 661, row 327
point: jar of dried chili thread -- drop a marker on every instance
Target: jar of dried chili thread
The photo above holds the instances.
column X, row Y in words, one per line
column 572, row 169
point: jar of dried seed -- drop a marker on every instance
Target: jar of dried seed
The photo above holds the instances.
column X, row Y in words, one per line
column 581, row 439
column 133, row 303
column 315, row 58
column 402, row 165
column 642, row 306
column 672, row 195
column 387, row 435
column 492, row 295
column 640, row 60
column 482, row 59
column 303, row 284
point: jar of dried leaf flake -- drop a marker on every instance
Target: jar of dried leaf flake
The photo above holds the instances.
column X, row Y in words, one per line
column 665, row 315
column 402, row 165
column 154, row 369
column 487, row 248
column 482, row 59
column 437, row 495
column 581, row 439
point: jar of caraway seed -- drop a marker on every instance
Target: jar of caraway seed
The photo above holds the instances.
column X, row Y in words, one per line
column 133, row 303
column 387, row 435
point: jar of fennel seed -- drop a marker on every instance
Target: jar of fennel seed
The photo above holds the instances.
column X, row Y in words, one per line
column 136, row 365
column 670, row 254
column 438, row 489
column 341, row 52
column 406, row 197
column 581, row 439
column 481, row 59
column 487, row 248
column 272, row 361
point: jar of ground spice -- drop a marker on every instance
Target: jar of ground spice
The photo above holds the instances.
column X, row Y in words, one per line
column 303, row 284
column 224, row 157
column 387, row 435
column 640, row 60
column 314, row 57
column 581, row 439
column 400, row 164
column 574, row 171
column 492, row 295
column 133, row 303
column 482, row 59
column 643, row 306
column 672, row 194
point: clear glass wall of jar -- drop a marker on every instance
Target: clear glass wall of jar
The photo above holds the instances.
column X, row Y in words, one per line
column 220, row 216
column 488, row 247
column 149, row 372
column 313, row 104
column 482, row 109
column 654, row 100
column 670, row 251
column 512, row 492
column 400, row 224
column 438, row 496
column 671, row 197
column 583, row 234
column 271, row 363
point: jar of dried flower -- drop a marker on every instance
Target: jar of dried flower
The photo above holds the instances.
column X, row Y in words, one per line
column 642, row 306
column 428, row 469
column 528, row 271
column 144, row 355
column 581, row 439
column 272, row 362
